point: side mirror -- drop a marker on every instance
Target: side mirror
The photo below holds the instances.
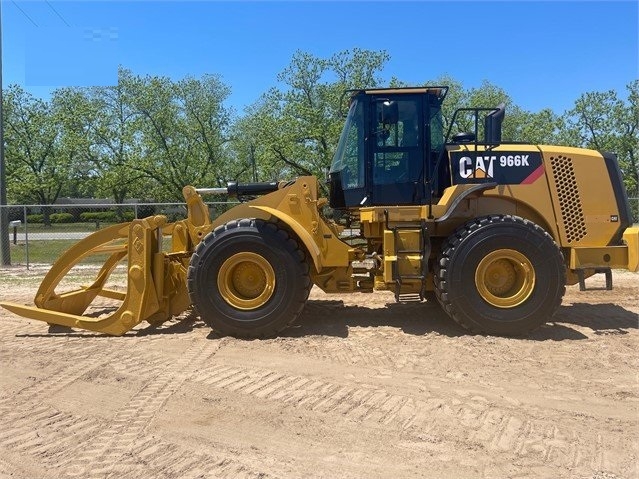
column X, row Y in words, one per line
column 492, row 124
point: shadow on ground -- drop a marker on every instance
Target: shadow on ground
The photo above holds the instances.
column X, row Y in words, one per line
column 602, row 319
column 334, row 318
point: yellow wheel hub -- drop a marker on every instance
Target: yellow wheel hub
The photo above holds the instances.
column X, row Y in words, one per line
column 246, row 281
column 505, row 278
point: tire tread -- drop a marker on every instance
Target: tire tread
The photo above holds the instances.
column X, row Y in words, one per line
column 450, row 246
column 289, row 243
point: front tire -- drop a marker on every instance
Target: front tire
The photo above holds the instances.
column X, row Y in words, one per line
column 249, row 279
column 500, row 275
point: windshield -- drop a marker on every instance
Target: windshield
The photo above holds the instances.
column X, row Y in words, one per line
column 349, row 157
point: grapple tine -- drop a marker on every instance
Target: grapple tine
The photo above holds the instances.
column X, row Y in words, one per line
column 109, row 325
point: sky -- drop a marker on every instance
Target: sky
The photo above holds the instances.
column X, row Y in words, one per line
column 543, row 54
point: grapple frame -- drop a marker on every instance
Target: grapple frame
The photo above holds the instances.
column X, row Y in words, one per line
column 156, row 280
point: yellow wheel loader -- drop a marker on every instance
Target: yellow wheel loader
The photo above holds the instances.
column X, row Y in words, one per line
column 494, row 230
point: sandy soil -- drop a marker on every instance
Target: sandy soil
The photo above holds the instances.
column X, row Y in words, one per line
column 362, row 387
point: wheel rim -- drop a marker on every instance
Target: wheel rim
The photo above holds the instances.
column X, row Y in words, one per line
column 505, row 278
column 246, row 281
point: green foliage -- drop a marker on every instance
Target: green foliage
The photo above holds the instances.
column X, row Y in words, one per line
column 37, row 167
column 604, row 122
column 294, row 130
column 145, row 137
column 35, row 218
column 101, row 125
column 106, row 216
column 98, row 216
column 183, row 130
column 62, row 218
column 148, row 136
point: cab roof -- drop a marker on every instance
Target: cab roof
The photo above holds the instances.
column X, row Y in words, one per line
column 438, row 91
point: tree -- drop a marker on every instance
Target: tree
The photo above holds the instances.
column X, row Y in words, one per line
column 36, row 172
column 74, row 120
column 149, row 136
column 114, row 148
column 294, row 130
column 183, row 128
column 604, row 122
column 519, row 124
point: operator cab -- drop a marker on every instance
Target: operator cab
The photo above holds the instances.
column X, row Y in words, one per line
column 389, row 147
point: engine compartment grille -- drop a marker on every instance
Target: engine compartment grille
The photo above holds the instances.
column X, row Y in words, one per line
column 569, row 198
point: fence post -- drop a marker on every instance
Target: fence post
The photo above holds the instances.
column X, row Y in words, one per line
column 26, row 235
column 5, row 243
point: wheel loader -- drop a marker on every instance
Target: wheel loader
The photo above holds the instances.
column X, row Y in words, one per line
column 493, row 230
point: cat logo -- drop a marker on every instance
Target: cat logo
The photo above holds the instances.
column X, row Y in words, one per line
column 481, row 167
column 501, row 167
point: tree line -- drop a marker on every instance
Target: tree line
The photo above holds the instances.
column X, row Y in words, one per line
column 148, row 136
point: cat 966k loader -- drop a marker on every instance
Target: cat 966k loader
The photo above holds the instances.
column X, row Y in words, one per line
column 495, row 229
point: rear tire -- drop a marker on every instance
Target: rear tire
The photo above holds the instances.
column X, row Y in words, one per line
column 500, row 275
column 249, row 279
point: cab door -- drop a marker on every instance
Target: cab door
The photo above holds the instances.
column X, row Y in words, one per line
column 397, row 146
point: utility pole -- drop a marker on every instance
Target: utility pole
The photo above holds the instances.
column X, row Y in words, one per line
column 4, row 211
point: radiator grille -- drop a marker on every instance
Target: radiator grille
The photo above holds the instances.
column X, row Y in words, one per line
column 569, row 199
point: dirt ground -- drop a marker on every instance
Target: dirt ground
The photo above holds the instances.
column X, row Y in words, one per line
column 361, row 387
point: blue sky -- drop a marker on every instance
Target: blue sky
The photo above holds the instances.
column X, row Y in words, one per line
column 544, row 54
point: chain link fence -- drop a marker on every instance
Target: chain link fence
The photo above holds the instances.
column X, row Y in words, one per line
column 39, row 234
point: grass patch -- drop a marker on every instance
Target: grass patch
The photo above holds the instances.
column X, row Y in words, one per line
column 62, row 227
column 48, row 252
column 39, row 251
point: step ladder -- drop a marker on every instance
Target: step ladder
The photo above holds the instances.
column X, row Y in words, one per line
column 424, row 254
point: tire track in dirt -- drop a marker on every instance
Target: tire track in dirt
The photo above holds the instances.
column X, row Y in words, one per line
column 113, row 442
column 356, row 353
column 86, row 355
column 47, row 435
column 50, row 347
column 110, row 452
column 356, row 402
column 53, row 383
column 80, row 357
column 143, row 364
column 153, row 457
column 32, row 428
column 417, row 399
column 540, row 441
column 500, row 430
